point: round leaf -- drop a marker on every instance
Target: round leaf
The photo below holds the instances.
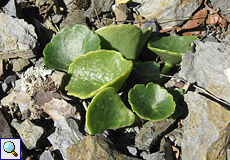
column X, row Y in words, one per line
column 68, row 44
column 107, row 111
column 151, row 102
column 171, row 48
column 91, row 72
column 125, row 38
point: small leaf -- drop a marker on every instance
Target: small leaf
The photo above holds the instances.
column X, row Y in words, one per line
column 125, row 38
column 107, row 111
column 68, row 44
column 171, row 48
column 151, row 102
column 91, row 72
column 146, row 71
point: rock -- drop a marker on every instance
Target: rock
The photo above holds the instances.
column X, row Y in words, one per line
column 73, row 18
column 32, row 136
column 121, row 12
column 132, row 150
column 12, row 9
column 218, row 150
column 5, row 128
column 175, row 136
column 66, row 133
column 19, row 64
column 16, row 54
column 1, row 67
column 153, row 156
column 16, row 34
column 206, row 117
column 222, row 5
column 95, row 147
column 56, row 18
column 150, row 133
column 168, row 13
column 47, row 155
column 99, row 6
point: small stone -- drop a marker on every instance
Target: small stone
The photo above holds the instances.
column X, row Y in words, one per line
column 132, row 150
column 150, row 133
column 4, row 87
column 73, row 18
column 16, row 34
column 99, row 6
column 5, row 128
column 31, row 135
column 10, row 79
column 12, row 9
column 151, row 23
column 47, row 155
column 95, row 147
column 168, row 12
column 153, row 156
column 56, row 18
column 121, row 13
column 66, row 133
column 19, row 64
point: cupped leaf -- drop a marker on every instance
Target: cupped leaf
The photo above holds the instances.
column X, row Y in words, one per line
column 125, row 38
column 91, row 72
column 171, row 48
column 107, row 111
column 68, row 44
column 151, row 102
column 146, row 71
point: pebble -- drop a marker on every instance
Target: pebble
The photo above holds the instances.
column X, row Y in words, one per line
column 5, row 131
column 16, row 34
column 122, row 13
column 66, row 133
column 33, row 136
column 19, row 64
column 47, row 155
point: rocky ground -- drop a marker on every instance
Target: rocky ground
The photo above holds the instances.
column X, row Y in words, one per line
column 51, row 125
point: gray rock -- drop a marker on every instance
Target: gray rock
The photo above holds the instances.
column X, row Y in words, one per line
column 33, row 136
column 99, row 6
column 95, row 147
column 150, row 133
column 153, row 156
column 19, row 64
column 168, row 12
column 56, row 18
column 206, row 118
column 16, row 34
column 66, row 133
column 5, row 128
column 73, row 18
column 47, row 155
column 10, row 79
column 222, row 5
column 12, row 9
column 132, row 150
column 67, row 2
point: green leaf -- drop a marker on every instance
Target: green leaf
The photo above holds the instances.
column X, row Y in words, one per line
column 151, row 102
column 68, row 44
column 107, row 111
column 171, row 49
column 125, row 38
column 91, row 72
column 146, row 71
column 178, row 97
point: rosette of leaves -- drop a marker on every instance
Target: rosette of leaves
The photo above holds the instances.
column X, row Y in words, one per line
column 151, row 102
column 107, row 111
column 68, row 44
column 171, row 49
column 93, row 71
column 125, row 38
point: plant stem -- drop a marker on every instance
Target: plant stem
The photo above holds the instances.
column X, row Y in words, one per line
column 167, row 67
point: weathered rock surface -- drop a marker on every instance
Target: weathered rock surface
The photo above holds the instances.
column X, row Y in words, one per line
column 4, row 129
column 150, row 133
column 66, row 133
column 47, row 155
column 33, row 136
column 95, row 147
column 99, row 6
column 16, row 34
column 223, row 5
column 206, row 118
column 121, row 12
column 166, row 11
column 73, row 18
